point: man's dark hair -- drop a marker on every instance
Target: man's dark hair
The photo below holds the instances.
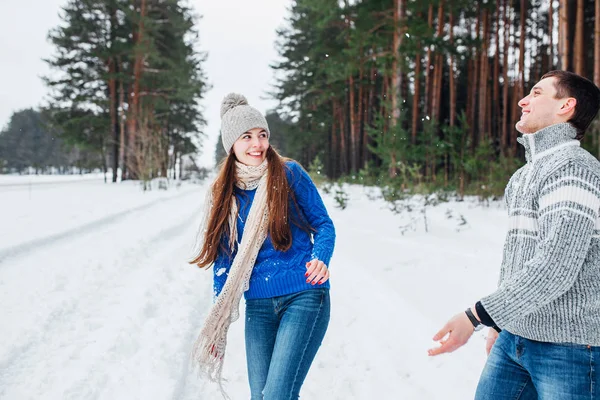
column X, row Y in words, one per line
column 587, row 94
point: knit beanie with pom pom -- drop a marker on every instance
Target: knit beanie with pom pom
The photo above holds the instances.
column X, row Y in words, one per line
column 237, row 117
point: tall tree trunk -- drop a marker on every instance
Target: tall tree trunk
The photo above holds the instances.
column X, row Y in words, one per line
column 505, row 85
column 597, row 46
column 369, row 111
column 113, row 70
column 427, row 90
column 417, row 95
column 597, row 66
column 522, row 48
column 578, row 50
column 563, row 34
column 122, row 129
column 451, row 82
column 550, row 35
column 352, row 123
column 166, row 141
column 519, row 88
column 474, row 84
column 359, row 118
column 470, row 103
column 335, row 151
column 343, row 147
column 114, row 120
column 483, row 81
column 353, row 133
column 134, row 103
column 180, row 157
column 438, row 69
column 437, row 88
column 495, row 116
column 396, row 81
column 452, row 89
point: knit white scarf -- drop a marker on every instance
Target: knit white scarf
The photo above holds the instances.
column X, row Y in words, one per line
column 209, row 349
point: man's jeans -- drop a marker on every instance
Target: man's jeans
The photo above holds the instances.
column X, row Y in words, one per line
column 524, row 369
column 283, row 335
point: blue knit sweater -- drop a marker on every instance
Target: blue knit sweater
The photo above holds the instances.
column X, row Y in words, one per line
column 277, row 273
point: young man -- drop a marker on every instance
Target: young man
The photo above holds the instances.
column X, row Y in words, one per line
column 547, row 305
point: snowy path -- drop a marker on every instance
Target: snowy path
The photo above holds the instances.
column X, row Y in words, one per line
column 105, row 307
column 103, row 311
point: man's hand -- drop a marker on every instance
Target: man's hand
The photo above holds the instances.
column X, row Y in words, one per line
column 453, row 335
column 490, row 340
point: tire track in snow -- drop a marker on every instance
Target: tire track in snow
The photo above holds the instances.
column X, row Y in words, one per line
column 65, row 318
column 62, row 313
column 19, row 249
column 44, row 184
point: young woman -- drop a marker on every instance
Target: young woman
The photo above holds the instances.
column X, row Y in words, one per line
column 268, row 235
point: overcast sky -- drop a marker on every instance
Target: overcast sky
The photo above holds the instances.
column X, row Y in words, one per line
column 238, row 35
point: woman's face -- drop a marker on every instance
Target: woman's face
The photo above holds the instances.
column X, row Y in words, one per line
column 251, row 147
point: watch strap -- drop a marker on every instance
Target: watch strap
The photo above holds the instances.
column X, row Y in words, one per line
column 472, row 318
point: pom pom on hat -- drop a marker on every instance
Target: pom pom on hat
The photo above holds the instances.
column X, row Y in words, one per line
column 232, row 100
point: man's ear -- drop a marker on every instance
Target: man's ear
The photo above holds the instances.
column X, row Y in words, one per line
column 568, row 106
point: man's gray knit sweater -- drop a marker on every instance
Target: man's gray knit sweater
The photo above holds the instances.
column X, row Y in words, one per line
column 549, row 288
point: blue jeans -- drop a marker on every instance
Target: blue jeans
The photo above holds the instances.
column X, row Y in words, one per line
column 519, row 368
column 283, row 335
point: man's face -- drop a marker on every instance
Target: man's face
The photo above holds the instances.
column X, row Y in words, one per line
column 540, row 108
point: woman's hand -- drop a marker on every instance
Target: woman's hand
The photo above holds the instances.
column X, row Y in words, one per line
column 316, row 272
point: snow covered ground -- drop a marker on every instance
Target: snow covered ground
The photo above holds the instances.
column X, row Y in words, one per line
column 32, row 179
column 98, row 301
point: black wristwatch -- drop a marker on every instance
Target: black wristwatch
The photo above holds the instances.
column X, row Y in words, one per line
column 477, row 326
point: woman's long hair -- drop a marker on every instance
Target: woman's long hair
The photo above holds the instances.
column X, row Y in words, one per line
column 278, row 195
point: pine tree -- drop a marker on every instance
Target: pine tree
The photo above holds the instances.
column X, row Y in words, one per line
column 29, row 141
column 130, row 79
column 358, row 76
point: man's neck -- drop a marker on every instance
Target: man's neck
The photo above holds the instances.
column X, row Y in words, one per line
column 548, row 139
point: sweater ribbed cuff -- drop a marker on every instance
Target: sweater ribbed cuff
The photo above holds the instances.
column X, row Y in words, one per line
column 483, row 315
